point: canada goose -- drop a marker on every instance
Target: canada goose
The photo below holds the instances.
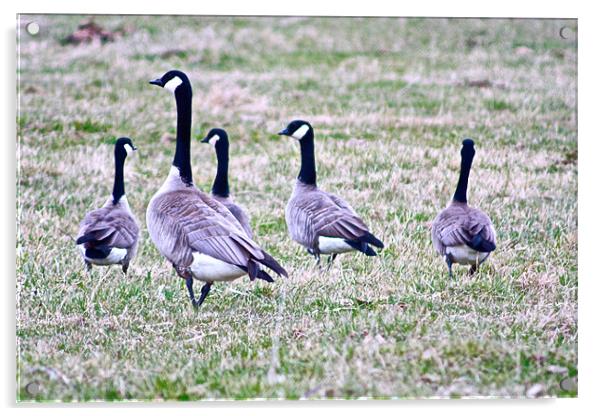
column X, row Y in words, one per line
column 322, row 222
column 221, row 190
column 109, row 235
column 196, row 233
column 463, row 234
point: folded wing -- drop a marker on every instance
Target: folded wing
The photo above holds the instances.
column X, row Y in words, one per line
column 108, row 227
column 322, row 214
column 457, row 226
column 191, row 221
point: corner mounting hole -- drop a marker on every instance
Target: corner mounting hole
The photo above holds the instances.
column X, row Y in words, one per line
column 33, row 28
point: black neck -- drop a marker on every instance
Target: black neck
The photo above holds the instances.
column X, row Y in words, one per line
column 460, row 194
column 118, row 186
column 307, row 174
column 220, row 184
column 182, row 157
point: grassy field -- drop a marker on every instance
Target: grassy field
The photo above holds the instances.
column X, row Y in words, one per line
column 390, row 101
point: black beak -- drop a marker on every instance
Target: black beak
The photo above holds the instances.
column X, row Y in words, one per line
column 283, row 132
column 134, row 147
column 205, row 140
column 157, row 82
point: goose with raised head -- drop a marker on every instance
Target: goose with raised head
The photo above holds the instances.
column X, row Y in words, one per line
column 220, row 190
column 109, row 235
column 460, row 233
column 321, row 222
column 196, row 233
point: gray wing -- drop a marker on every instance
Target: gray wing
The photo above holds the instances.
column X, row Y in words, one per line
column 463, row 225
column 241, row 217
column 317, row 214
column 340, row 220
column 219, row 208
column 189, row 221
column 108, row 226
column 341, row 203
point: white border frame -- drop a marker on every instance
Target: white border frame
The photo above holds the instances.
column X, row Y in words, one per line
column 589, row 200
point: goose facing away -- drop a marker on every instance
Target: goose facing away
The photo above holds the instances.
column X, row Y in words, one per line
column 196, row 233
column 460, row 233
column 221, row 189
column 322, row 222
column 109, row 235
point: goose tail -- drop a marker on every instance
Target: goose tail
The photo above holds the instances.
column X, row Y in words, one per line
column 98, row 252
column 481, row 244
column 271, row 263
column 254, row 271
column 362, row 247
column 86, row 238
column 264, row 276
column 371, row 239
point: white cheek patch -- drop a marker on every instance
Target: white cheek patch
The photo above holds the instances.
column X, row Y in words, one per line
column 173, row 83
column 214, row 139
column 300, row 132
column 128, row 149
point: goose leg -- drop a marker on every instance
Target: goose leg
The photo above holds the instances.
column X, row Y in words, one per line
column 124, row 268
column 189, row 282
column 448, row 260
column 187, row 276
column 88, row 266
column 475, row 267
column 331, row 260
column 316, row 255
column 204, row 292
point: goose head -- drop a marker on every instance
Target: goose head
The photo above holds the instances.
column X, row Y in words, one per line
column 218, row 138
column 124, row 147
column 175, row 81
column 467, row 151
column 298, row 129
